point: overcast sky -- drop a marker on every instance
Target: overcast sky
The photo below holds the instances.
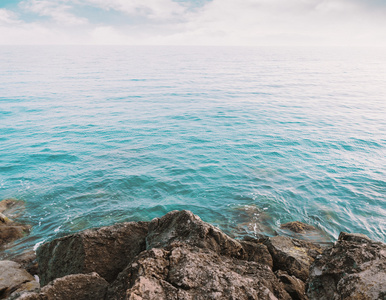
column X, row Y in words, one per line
column 194, row 22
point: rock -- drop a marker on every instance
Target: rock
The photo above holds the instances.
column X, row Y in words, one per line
column 188, row 272
column 178, row 227
column 354, row 268
column 105, row 250
column 15, row 279
column 10, row 230
column 292, row 255
column 27, row 260
column 258, row 252
column 294, row 286
column 70, row 287
column 297, row 227
column 11, row 206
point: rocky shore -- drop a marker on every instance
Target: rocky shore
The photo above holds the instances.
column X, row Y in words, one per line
column 178, row 256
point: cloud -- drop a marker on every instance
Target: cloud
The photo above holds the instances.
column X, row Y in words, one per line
column 151, row 9
column 215, row 22
column 8, row 17
column 58, row 11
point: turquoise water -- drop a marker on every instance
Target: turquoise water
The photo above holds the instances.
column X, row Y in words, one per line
column 247, row 138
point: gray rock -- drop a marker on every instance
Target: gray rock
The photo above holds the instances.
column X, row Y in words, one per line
column 188, row 272
column 71, row 287
column 354, row 268
column 15, row 279
column 292, row 255
column 105, row 250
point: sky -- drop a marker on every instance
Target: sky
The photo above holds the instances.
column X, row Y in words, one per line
column 194, row 22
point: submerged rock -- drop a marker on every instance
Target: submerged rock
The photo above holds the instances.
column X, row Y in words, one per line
column 105, row 250
column 12, row 207
column 297, row 227
column 354, row 268
column 14, row 279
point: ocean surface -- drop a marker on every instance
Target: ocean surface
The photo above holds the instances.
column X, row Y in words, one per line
column 247, row 138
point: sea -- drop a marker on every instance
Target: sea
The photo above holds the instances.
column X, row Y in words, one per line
column 248, row 138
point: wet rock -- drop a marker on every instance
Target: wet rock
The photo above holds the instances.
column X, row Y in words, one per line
column 105, row 250
column 70, row 287
column 250, row 219
column 294, row 286
column 292, row 255
column 297, row 227
column 188, row 272
column 354, row 268
column 15, row 279
column 10, row 231
column 11, row 207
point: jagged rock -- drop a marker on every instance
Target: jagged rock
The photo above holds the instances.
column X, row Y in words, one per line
column 105, row 250
column 185, row 227
column 354, row 268
column 257, row 252
column 15, row 279
column 297, row 227
column 188, row 272
column 292, row 255
column 294, row 286
column 71, row 287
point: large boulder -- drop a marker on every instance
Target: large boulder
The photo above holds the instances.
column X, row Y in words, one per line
column 354, row 268
column 292, row 256
column 71, row 287
column 105, row 250
column 15, row 279
column 183, row 227
column 188, row 272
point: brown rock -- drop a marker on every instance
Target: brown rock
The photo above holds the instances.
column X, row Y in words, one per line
column 27, row 260
column 294, row 286
column 188, row 272
column 71, row 287
column 258, row 252
column 15, row 279
column 178, row 227
column 292, row 255
column 297, row 227
column 12, row 231
column 105, row 250
column 354, row 268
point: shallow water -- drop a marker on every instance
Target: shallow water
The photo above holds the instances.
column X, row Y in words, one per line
column 91, row 136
